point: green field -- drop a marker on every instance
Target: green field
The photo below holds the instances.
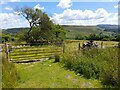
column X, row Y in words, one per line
column 48, row 74
column 72, row 31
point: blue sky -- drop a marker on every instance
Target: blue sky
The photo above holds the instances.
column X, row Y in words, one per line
column 51, row 7
column 68, row 13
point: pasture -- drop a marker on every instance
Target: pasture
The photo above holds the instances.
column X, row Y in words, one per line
column 48, row 74
column 66, row 73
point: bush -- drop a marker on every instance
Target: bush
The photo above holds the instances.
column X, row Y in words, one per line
column 95, row 63
column 79, row 37
column 57, row 58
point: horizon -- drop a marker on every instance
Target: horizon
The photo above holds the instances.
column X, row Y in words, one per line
column 66, row 25
column 63, row 13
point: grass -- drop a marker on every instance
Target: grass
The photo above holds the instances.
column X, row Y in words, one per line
column 72, row 45
column 51, row 75
column 9, row 73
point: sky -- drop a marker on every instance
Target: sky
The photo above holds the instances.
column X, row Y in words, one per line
column 63, row 12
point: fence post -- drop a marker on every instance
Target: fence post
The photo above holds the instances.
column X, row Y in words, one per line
column 102, row 44
column 63, row 47
column 79, row 47
column 119, row 45
column 6, row 51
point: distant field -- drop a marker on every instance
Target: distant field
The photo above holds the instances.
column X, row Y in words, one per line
column 83, row 30
column 74, row 43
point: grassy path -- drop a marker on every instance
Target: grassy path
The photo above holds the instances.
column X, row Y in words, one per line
column 51, row 75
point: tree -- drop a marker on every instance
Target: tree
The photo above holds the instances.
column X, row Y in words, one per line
column 60, row 33
column 46, row 28
column 6, row 37
column 78, row 37
column 23, row 36
column 118, row 37
column 35, row 34
column 41, row 27
column 33, row 17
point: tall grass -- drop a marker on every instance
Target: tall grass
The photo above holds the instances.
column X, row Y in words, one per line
column 95, row 63
column 9, row 73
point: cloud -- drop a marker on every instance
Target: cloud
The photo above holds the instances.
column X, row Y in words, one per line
column 65, row 4
column 5, row 1
column 67, row 17
column 15, row 0
column 8, row 8
column 86, row 17
column 38, row 7
column 2, row 2
column 10, row 20
column 117, row 6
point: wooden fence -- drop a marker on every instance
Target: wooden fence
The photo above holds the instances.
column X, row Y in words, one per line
column 27, row 53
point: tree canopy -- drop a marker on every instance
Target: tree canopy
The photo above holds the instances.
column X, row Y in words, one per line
column 41, row 27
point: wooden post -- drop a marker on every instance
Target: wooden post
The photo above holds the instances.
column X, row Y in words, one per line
column 6, row 51
column 102, row 44
column 9, row 53
column 79, row 47
column 63, row 47
column 119, row 45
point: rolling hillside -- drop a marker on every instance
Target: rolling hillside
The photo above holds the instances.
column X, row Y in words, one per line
column 13, row 30
column 72, row 31
column 107, row 27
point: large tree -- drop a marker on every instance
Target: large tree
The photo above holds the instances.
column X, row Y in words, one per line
column 33, row 16
column 41, row 27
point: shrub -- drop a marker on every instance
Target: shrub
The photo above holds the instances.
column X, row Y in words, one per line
column 57, row 58
column 95, row 63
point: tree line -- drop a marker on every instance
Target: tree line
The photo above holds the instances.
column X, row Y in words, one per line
column 98, row 37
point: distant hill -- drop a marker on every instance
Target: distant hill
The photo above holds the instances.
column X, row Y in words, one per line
column 84, row 30
column 73, row 30
column 13, row 30
column 108, row 27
